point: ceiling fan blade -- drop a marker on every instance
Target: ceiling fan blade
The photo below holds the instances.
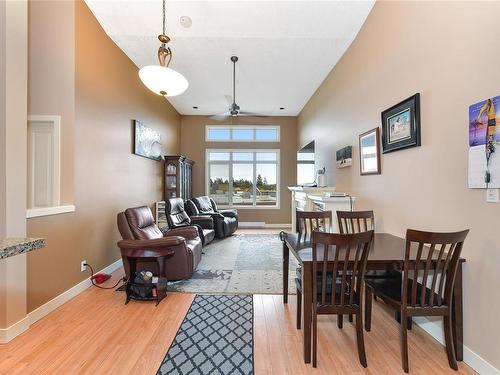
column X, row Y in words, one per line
column 250, row 114
column 220, row 116
column 229, row 99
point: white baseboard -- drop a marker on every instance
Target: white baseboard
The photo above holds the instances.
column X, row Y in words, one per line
column 7, row 334
column 261, row 224
column 284, row 226
column 476, row 362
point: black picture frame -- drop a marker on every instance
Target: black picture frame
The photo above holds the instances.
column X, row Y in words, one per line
column 401, row 125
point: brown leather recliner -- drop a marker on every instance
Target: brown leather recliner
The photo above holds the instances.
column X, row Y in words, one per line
column 139, row 232
column 225, row 221
column 178, row 218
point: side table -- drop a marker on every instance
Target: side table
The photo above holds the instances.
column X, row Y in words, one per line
column 159, row 288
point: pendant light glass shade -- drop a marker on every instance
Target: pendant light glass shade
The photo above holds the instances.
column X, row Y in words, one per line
column 162, row 80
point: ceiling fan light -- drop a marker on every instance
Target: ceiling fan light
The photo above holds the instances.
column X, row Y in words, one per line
column 162, row 80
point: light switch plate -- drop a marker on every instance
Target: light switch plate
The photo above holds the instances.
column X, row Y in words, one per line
column 492, row 195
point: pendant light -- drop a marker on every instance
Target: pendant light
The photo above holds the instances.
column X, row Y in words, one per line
column 161, row 79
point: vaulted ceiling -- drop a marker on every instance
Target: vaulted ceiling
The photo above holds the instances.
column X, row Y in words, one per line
column 285, row 48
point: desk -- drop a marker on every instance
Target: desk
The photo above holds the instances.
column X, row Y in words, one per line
column 386, row 254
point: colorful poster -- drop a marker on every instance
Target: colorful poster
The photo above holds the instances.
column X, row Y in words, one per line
column 484, row 144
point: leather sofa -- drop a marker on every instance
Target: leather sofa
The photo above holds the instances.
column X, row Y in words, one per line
column 225, row 221
column 178, row 218
column 140, row 234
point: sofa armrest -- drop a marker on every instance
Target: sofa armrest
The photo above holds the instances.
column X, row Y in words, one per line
column 229, row 213
column 204, row 221
column 156, row 243
column 216, row 215
column 187, row 232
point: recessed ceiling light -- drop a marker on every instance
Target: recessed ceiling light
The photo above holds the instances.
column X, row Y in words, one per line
column 186, row 22
column 282, row 108
column 195, row 107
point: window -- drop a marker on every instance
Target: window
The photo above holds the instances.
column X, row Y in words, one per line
column 243, row 178
column 43, row 179
column 305, row 165
column 240, row 133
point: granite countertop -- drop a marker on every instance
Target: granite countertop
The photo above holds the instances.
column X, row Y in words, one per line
column 14, row 246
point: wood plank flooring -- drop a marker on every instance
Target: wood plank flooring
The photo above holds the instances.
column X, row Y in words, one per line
column 95, row 333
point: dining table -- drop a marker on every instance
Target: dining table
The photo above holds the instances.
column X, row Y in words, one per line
column 386, row 254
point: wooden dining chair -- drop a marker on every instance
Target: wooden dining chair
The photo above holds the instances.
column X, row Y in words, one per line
column 309, row 221
column 355, row 221
column 339, row 263
column 425, row 287
column 306, row 223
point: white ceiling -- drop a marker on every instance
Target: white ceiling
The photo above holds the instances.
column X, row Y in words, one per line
column 286, row 48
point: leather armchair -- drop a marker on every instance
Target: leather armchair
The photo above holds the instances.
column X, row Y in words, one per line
column 178, row 218
column 142, row 236
column 225, row 221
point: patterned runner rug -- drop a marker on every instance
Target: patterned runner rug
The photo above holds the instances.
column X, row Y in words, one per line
column 216, row 337
column 240, row 264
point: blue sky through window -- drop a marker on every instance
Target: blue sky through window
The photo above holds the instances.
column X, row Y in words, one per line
column 219, row 134
column 242, row 133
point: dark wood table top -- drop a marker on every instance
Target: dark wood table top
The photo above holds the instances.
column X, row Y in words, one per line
column 386, row 248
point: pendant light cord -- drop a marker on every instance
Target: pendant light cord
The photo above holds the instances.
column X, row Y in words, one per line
column 164, row 19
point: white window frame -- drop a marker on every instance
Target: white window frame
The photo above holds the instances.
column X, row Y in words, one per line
column 230, row 163
column 231, row 128
column 56, row 208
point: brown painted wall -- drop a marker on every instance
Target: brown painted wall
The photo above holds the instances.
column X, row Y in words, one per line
column 445, row 51
column 107, row 177
column 51, row 89
column 193, row 145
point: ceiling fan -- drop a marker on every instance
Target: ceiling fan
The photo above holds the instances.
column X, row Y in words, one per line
column 234, row 109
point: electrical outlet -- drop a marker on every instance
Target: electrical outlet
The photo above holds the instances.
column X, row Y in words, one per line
column 83, row 266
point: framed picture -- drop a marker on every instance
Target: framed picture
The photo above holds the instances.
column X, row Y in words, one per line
column 147, row 141
column 344, row 157
column 369, row 152
column 401, row 125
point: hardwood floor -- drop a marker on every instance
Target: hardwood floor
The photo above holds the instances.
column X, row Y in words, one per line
column 95, row 333
column 278, row 347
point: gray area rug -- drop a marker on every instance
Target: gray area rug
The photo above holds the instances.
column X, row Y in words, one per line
column 216, row 337
column 240, row 264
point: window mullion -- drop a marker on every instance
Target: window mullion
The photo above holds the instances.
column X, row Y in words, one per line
column 254, row 184
column 230, row 190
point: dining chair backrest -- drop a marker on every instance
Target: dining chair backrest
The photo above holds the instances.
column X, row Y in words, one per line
column 355, row 221
column 340, row 258
column 309, row 221
column 429, row 267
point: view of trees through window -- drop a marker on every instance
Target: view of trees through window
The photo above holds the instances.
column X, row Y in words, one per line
column 253, row 175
